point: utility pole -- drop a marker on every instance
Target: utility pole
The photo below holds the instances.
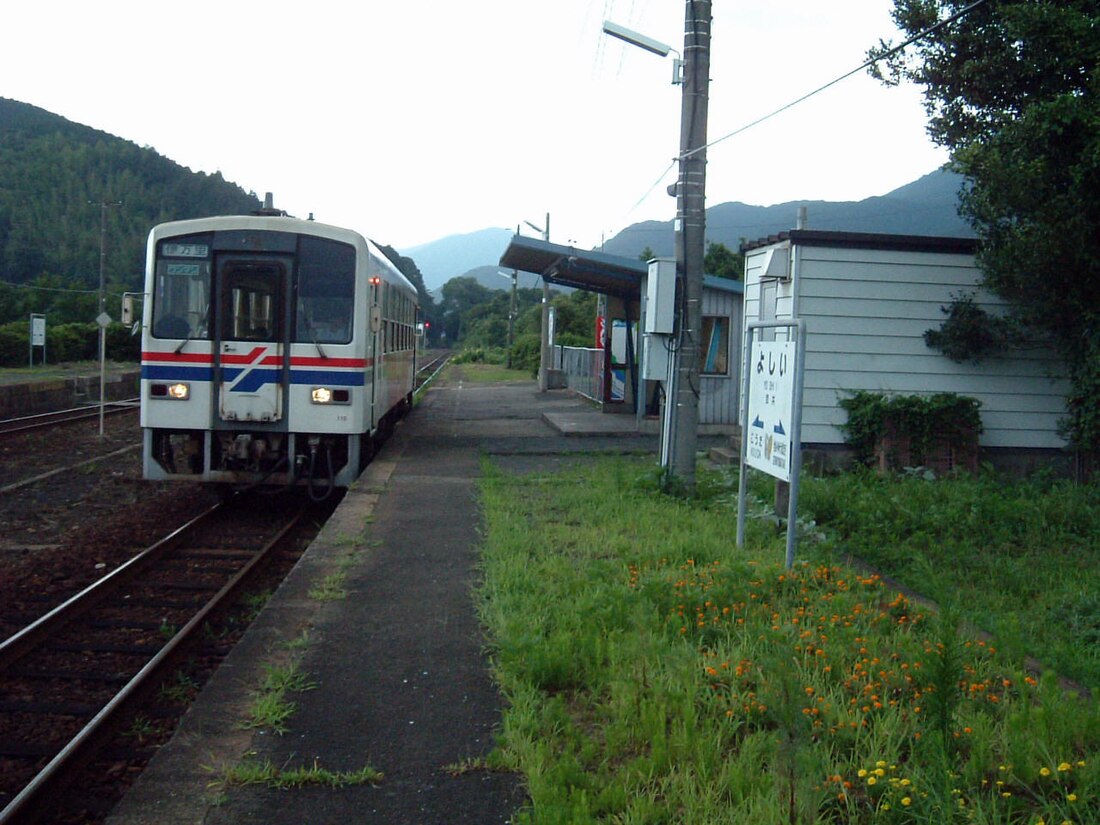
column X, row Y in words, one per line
column 102, row 319
column 544, row 354
column 690, row 231
column 512, row 318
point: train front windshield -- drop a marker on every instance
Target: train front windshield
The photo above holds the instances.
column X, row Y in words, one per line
column 315, row 276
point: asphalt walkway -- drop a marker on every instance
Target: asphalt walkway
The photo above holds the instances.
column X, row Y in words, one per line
column 398, row 662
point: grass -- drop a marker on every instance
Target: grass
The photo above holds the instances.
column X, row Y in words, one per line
column 255, row 772
column 330, row 588
column 271, row 706
column 1023, row 557
column 50, row 371
column 656, row 673
column 488, row 373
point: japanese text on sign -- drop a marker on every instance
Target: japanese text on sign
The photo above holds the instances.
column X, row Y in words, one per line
column 771, row 399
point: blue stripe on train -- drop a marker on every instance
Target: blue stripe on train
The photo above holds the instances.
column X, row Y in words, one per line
column 256, row 378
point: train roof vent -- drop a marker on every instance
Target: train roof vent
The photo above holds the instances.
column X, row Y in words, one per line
column 269, row 210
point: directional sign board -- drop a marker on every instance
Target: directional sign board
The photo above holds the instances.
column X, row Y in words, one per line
column 770, row 404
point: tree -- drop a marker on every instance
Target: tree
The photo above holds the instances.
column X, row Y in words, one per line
column 1012, row 90
column 723, row 262
column 460, row 296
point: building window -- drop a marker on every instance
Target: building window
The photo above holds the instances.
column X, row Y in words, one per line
column 716, row 345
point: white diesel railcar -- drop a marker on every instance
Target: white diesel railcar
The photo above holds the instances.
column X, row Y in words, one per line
column 274, row 352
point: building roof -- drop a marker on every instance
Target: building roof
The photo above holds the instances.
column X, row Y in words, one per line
column 588, row 270
column 577, row 268
column 867, row 240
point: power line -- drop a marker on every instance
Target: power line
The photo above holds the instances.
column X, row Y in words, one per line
column 920, row 36
column 888, row 54
column 49, row 288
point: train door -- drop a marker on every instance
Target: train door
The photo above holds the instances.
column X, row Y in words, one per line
column 251, row 337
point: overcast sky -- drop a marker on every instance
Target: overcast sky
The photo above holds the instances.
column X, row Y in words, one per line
column 412, row 121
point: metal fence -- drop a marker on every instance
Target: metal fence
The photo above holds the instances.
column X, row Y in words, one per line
column 583, row 368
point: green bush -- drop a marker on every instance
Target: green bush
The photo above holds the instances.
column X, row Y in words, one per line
column 67, row 342
column 921, row 417
column 526, row 353
column 13, row 344
column 480, row 355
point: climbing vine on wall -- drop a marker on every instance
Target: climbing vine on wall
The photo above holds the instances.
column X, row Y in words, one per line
column 921, row 418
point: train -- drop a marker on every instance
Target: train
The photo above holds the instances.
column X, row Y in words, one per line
column 275, row 351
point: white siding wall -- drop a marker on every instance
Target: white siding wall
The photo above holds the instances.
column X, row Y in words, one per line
column 866, row 312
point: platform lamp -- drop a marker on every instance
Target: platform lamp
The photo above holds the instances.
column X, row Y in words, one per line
column 514, row 276
column 544, row 352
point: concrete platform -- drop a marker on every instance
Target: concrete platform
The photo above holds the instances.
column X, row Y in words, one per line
column 401, row 679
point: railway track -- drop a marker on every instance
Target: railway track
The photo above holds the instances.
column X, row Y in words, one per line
column 41, row 421
column 426, row 373
column 72, row 678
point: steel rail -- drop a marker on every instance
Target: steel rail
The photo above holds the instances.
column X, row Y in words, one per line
column 26, row 423
column 32, row 801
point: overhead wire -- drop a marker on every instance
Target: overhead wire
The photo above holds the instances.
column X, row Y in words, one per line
column 48, row 288
column 866, row 64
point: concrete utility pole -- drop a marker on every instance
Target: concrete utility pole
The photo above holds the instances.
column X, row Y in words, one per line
column 690, row 233
column 544, row 354
column 101, row 319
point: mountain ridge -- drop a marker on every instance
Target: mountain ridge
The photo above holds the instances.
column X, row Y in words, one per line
column 926, row 206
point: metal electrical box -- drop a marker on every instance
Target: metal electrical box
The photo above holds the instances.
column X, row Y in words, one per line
column 660, row 308
column 655, row 357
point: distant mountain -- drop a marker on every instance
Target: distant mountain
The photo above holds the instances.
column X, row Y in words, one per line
column 928, row 206
column 456, row 255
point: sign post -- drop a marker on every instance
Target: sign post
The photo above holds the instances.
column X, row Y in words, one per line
column 104, row 321
column 38, row 335
column 771, row 415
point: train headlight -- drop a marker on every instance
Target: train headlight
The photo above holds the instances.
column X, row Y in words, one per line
column 175, row 392
column 327, row 395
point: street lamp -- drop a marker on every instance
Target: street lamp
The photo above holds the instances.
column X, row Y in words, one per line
column 690, row 227
column 514, row 275
column 649, row 44
column 544, row 352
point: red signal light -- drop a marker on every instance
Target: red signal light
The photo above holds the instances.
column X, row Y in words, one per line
column 375, row 281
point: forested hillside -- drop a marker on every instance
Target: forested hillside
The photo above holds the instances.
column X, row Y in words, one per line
column 54, row 174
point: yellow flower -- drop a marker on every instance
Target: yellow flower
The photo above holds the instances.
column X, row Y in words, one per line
column 871, row 780
column 861, row 773
column 906, row 801
column 1044, row 771
column 1072, row 797
column 1065, row 766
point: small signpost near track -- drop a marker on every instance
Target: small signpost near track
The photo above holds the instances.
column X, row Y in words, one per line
column 38, row 335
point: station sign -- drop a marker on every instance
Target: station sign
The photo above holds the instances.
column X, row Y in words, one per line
column 771, row 383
